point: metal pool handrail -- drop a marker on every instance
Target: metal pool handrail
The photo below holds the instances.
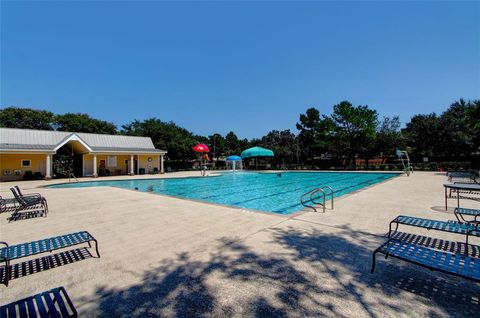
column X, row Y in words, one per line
column 311, row 199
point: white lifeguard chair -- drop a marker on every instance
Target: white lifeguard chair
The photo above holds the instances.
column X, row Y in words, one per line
column 405, row 159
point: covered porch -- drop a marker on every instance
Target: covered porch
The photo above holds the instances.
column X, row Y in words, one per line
column 113, row 164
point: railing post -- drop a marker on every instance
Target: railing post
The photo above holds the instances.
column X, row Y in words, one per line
column 324, row 201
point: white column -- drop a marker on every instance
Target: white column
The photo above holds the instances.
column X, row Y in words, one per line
column 48, row 168
column 161, row 164
column 131, row 166
column 95, row 174
column 138, row 164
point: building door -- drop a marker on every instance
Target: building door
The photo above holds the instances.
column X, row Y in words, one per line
column 101, row 168
column 78, row 165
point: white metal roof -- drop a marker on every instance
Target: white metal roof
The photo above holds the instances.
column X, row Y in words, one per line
column 29, row 139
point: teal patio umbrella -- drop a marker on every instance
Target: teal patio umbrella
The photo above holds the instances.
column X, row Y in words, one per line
column 255, row 152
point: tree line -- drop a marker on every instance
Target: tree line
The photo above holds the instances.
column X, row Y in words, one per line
column 350, row 133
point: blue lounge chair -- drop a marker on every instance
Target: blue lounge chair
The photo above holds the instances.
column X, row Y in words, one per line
column 460, row 212
column 28, row 202
column 445, row 226
column 463, row 177
column 51, row 303
column 10, row 204
column 13, row 252
column 29, row 195
column 454, row 247
column 450, row 263
column 455, row 227
column 7, row 204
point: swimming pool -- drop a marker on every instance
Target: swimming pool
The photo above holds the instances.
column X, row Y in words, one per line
column 258, row 191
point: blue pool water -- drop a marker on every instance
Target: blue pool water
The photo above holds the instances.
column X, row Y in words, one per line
column 257, row 191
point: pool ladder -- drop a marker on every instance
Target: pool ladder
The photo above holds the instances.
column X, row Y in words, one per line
column 311, row 197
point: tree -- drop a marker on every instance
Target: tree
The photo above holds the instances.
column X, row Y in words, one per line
column 217, row 145
column 26, row 118
column 242, row 145
column 473, row 123
column 83, row 123
column 232, row 144
column 452, row 135
column 283, row 144
column 314, row 136
column 455, row 138
column 389, row 137
column 165, row 135
column 354, row 130
column 422, row 135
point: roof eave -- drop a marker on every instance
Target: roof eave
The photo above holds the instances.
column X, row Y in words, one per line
column 150, row 152
column 73, row 137
column 20, row 151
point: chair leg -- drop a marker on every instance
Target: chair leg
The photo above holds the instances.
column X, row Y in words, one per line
column 7, row 272
column 96, row 247
column 466, row 245
column 45, row 206
column 373, row 262
column 14, row 214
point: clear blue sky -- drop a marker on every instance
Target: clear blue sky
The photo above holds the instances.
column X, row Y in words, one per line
column 244, row 66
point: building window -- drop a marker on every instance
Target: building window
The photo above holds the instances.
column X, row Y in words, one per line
column 112, row 161
column 7, row 172
column 26, row 163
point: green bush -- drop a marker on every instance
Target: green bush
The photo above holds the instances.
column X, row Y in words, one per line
column 28, row 175
column 38, row 175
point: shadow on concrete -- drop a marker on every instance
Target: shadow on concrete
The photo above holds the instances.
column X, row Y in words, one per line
column 25, row 215
column 41, row 264
column 441, row 209
column 22, row 214
column 450, row 295
column 311, row 274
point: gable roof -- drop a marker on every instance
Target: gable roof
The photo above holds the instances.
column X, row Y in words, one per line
column 47, row 140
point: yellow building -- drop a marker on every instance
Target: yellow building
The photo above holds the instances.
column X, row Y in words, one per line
column 27, row 153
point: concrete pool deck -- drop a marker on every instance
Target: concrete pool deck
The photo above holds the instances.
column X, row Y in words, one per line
column 162, row 256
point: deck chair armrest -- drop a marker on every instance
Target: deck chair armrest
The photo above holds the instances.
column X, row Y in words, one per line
column 33, row 200
column 7, row 251
column 32, row 195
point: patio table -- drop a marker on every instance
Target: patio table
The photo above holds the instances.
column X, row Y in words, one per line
column 460, row 187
